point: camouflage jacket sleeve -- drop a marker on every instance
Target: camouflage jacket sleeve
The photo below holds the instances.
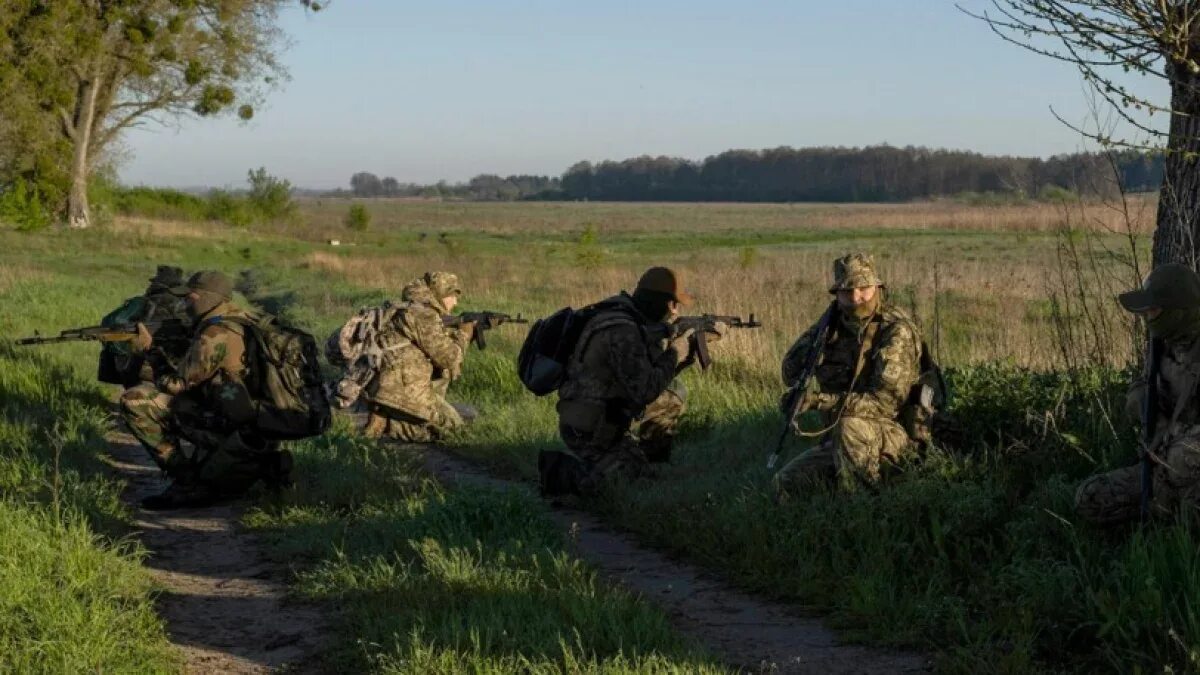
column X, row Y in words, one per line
column 793, row 362
column 642, row 372
column 218, row 347
column 896, row 368
column 444, row 347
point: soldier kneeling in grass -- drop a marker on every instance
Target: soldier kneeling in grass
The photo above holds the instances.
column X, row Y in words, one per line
column 619, row 403
column 1169, row 303
column 420, row 357
column 864, row 382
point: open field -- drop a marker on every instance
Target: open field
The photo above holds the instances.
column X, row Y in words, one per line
column 973, row 556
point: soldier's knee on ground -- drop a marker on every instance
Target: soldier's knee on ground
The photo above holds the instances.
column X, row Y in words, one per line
column 814, row 467
column 1110, row 498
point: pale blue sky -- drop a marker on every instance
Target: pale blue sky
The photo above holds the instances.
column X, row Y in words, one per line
column 448, row 90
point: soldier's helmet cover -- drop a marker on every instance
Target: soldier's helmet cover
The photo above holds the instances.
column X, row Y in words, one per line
column 207, row 281
column 442, row 284
column 1167, row 287
column 856, row 270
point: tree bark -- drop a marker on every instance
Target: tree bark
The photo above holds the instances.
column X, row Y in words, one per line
column 1177, row 229
column 78, row 210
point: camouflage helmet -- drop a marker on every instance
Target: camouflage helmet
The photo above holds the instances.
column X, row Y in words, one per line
column 856, row 270
column 442, row 284
column 207, row 281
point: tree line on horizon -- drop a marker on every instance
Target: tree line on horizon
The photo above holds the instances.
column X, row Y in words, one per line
column 826, row 174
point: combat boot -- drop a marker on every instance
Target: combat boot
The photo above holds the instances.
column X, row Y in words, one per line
column 277, row 470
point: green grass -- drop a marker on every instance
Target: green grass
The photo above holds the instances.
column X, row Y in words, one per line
column 472, row 580
column 974, row 555
column 73, row 596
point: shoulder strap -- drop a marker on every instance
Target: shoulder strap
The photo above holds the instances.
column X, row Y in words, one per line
column 868, row 340
column 606, row 317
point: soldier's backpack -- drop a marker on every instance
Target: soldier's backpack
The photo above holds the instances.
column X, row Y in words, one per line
column 542, row 362
column 926, row 400
column 357, row 335
column 284, row 380
column 118, row 365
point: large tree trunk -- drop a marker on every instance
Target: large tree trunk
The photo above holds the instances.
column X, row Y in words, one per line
column 1177, row 230
column 80, row 131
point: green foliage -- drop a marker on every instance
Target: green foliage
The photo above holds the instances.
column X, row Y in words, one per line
column 199, row 57
column 159, row 203
column 21, row 205
column 589, row 255
column 358, row 218
column 1055, row 193
column 226, row 207
column 270, row 196
column 74, row 601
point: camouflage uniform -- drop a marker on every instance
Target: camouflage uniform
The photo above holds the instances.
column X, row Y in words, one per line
column 166, row 353
column 619, row 406
column 1115, row 496
column 206, row 402
column 421, row 356
column 863, row 377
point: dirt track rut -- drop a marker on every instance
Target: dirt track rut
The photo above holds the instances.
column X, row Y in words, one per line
column 747, row 632
column 223, row 602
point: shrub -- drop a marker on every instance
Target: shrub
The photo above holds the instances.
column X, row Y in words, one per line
column 358, row 218
column 22, row 205
column 271, row 197
column 227, row 207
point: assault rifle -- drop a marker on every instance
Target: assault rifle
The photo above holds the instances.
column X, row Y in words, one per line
column 126, row 332
column 703, row 325
column 1149, row 423
column 484, row 321
column 794, row 399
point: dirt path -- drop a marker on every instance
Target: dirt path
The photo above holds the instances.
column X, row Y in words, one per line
column 223, row 602
column 748, row 632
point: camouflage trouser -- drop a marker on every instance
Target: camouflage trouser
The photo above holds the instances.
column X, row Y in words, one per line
column 385, row 422
column 1116, row 496
column 611, row 450
column 221, row 459
column 854, row 452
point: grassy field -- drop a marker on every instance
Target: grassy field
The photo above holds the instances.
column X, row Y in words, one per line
column 973, row 555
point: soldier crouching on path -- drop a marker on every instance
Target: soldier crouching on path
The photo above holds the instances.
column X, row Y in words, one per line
column 1169, row 303
column 202, row 403
column 864, row 374
column 619, row 407
column 420, row 358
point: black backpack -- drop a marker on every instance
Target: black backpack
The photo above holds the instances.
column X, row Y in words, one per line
column 542, row 363
column 285, row 380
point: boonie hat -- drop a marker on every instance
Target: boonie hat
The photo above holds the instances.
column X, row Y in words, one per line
column 856, row 270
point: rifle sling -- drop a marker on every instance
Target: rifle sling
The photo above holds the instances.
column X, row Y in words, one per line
column 1163, row 437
